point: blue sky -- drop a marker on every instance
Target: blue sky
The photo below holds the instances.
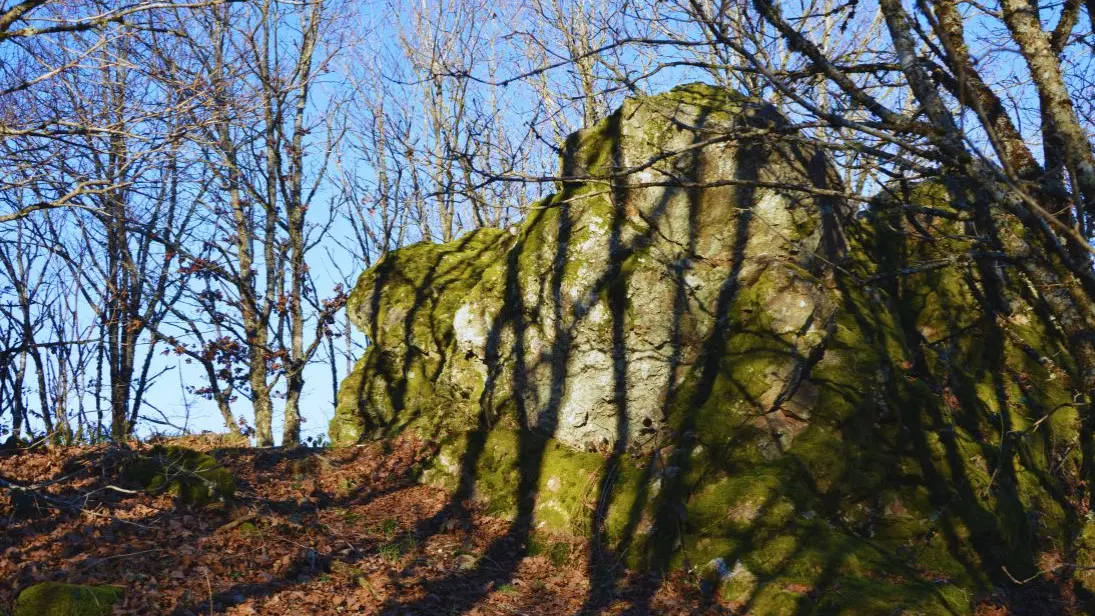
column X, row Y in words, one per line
column 369, row 34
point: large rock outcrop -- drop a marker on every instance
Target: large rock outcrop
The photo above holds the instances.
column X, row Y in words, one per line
column 590, row 318
column 696, row 352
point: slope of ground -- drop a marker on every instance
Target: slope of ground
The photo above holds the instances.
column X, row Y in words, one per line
column 306, row 535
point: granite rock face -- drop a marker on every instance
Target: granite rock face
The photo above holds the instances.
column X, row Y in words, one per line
column 585, row 322
column 695, row 352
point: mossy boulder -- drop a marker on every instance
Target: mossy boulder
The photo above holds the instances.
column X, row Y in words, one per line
column 406, row 304
column 195, row 478
column 58, row 599
column 696, row 353
column 601, row 297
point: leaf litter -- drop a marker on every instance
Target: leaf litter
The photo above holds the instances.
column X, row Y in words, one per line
column 310, row 531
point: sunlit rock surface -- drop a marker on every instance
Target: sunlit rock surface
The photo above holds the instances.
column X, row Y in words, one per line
column 586, row 323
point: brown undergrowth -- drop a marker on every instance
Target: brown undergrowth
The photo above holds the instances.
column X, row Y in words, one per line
column 344, row 531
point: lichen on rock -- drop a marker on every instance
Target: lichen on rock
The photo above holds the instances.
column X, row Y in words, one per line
column 695, row 352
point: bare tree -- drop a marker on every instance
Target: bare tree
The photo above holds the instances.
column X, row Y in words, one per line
column 43, row 40
column 269, row 154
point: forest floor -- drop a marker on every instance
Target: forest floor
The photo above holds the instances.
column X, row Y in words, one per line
column 324, row 532
column 311, row 531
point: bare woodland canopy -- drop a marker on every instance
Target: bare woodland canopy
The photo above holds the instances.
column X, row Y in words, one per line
column 187, row 188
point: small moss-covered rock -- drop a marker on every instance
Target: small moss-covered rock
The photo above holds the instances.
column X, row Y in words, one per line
column 58, row 599
column 248, row 529
column 197, row 479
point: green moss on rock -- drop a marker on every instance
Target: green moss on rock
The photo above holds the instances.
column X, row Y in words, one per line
column 195, row 478
column 839, row 414
column 565, row 480
column 58, row 599
column 406, row 304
